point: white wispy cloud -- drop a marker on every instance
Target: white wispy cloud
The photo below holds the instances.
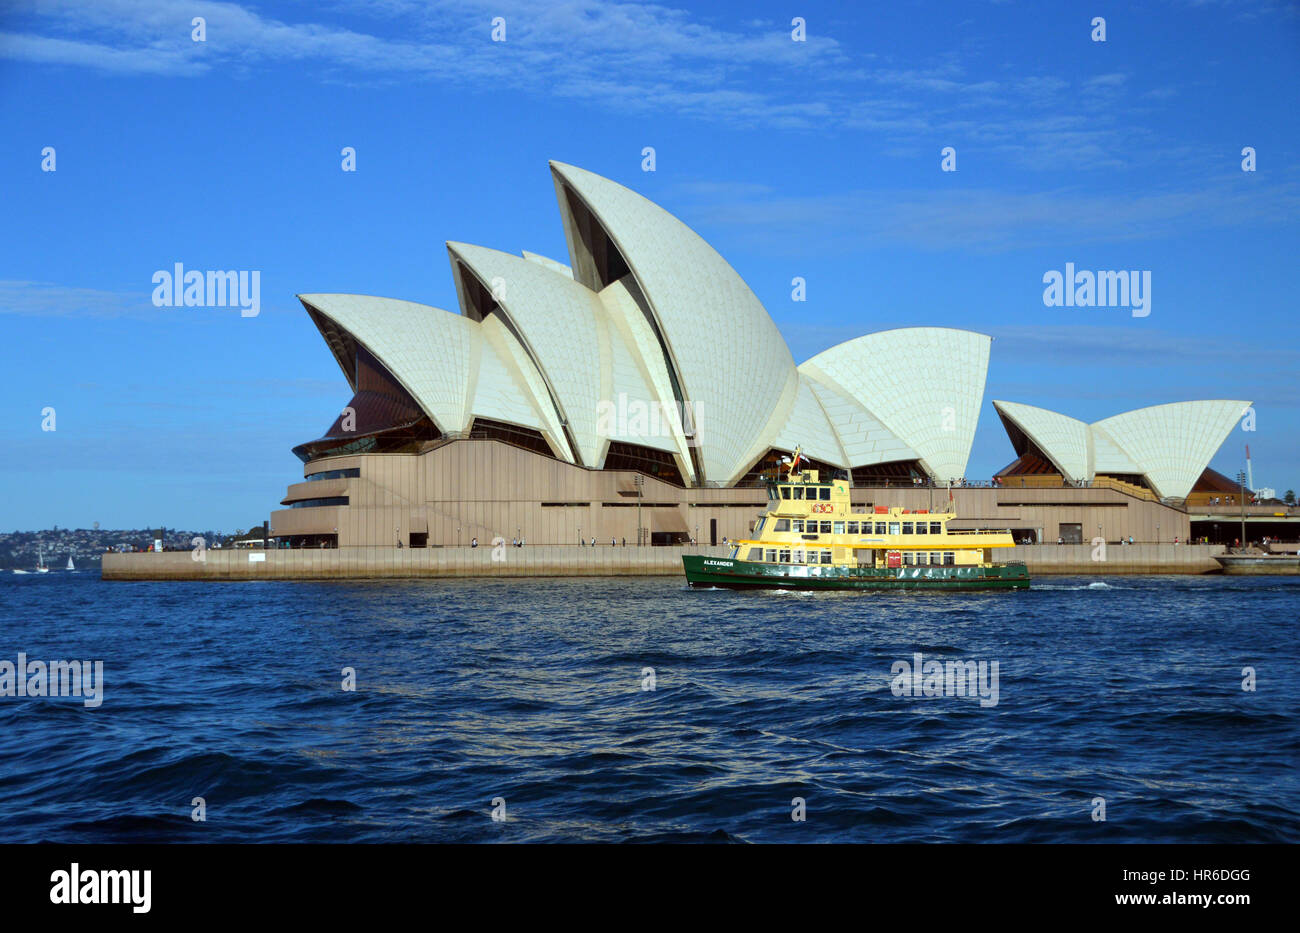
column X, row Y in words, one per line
column 984, row 220
column 50, row 299
column 633, row 57
column 45, row 299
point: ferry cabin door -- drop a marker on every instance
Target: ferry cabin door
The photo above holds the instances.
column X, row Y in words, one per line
column 865, row 556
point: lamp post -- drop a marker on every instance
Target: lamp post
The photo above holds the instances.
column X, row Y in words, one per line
column 1241, row 483
column 639, row 481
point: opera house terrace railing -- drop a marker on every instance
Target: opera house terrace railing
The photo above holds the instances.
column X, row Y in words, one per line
column 1267, row 510
column 1139, row 492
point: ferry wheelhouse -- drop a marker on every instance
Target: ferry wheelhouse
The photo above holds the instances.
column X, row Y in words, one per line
column 813, row 538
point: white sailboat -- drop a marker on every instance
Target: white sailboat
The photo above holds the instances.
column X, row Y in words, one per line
column 40, row 560
column 70, row 568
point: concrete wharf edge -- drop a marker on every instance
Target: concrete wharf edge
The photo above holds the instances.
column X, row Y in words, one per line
column 572, row 561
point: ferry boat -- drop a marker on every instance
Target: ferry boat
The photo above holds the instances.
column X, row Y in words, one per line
column 813, row 539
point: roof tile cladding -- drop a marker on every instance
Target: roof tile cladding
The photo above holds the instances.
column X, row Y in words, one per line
column 498, row 336
column 1107, row 456
column 1063, row 439
column 865, row 440
column 428, row 350
column 563, row 325
column 548, row 262
column 732, row 363
column 924, row 384
column 810, row 427
column 1174, row 443
column 1171, row 445
column 625, row 315
column 503, row 392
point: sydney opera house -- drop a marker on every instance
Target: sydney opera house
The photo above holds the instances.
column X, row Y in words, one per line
column 641, row 393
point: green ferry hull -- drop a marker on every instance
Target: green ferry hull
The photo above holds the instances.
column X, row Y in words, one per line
column 744, row 575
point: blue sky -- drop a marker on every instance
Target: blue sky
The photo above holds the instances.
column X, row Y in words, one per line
column 818, row 159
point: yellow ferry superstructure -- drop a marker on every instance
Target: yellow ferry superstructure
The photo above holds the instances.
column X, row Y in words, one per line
column 812, row 537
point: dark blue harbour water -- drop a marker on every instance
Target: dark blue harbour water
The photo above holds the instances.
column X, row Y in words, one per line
column 531, row 691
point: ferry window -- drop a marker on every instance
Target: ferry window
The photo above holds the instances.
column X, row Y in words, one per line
column 759, row 527
column 771, row 492
column 756, row 553
column 771, row 555
column 936, row 528
column 837, row 528
column 797, row 557
column 785, row 492
column 785, row 557
column 782, row 524
column 826, row 528
column 880, row 528
column 798, row 492
column 826, row 493
column 893, row 528
column 948, row 558
column 798, row 524
column 925, row 558
column 907, row 528
column 907, row 558
column 826, row 557
column 853, row 528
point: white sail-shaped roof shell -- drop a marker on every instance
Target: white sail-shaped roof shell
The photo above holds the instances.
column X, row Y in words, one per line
column 1107, row 456
column 430, row 352
column 864, row 439
column 1174, row 443
column 1170, row 445
column 1064, row 440
column 634, row 412
column 924, row 384
column 810, row 427
column 726, row 354
column 562, row 326
column 551, row 264
column 628, row 320
column 591, row 367
column 456, row 369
